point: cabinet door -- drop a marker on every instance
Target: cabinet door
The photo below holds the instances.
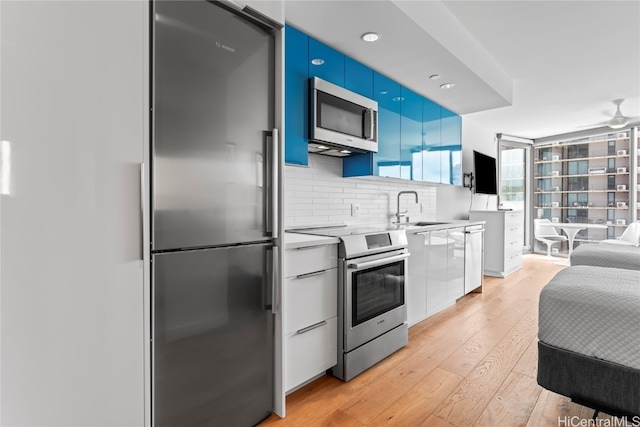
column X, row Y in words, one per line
column 451, row 148
column 325, row 62
column 431, row 144
column 411, row 135
column 296, row 92
column 389, row 96
column 474, row 256
column 358, row 78
column 455, row 264
column 437, row 253
column 416, row 289
column 73, row 309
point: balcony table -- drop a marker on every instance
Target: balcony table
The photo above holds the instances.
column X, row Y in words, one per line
column 572, row 228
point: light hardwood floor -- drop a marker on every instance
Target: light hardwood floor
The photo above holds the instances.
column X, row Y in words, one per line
column 473, row 364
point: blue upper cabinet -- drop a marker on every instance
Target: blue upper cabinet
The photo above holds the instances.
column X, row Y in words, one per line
column 326, row 62
column 411, row 135
column 358, row 78
column 296, row 96
column 451, row 147
column 431, row 115
column 388, row 93
column 417, row 139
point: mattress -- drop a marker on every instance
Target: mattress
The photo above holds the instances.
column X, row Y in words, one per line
column 607, row 256
column 593, row 311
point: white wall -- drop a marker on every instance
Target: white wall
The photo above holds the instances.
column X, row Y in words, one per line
column 319, row 195
column 453, row 201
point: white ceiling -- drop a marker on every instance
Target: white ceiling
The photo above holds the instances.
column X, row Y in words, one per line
column 525, row 68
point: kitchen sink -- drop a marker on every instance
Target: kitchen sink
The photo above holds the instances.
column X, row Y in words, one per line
column 425, row 223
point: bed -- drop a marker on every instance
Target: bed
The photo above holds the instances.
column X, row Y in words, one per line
column 613, row 256
column 589, row 338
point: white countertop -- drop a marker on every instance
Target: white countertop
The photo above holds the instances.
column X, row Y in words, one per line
column 454, row 223
column 297, row 240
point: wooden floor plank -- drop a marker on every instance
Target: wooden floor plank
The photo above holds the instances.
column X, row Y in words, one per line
column 414, row 407
column 434, row 421
column 528, row 363
column 476, row 348
column 512, row 404
column 465, row 404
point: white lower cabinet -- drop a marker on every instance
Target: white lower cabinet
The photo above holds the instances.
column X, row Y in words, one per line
column 504, row 241
column 445, row 268
column 310, row 313
column 311, row 351
column 437, row 268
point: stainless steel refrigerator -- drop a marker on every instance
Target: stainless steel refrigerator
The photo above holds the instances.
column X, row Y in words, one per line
column 214, row 219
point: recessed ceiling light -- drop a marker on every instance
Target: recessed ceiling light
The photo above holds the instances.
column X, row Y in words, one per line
column 322, row 147
column 447, row 85
column 398, row 98
column 370, row 37
column 434, row 76
column 317, row 61
column 383, row 92
column 345, row 151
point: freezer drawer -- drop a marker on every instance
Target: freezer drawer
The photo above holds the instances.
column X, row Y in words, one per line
column 212, row 337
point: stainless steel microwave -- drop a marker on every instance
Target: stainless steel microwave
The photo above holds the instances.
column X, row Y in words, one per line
column 341, row 122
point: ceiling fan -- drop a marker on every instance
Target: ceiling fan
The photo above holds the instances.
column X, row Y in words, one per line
column 618, row 121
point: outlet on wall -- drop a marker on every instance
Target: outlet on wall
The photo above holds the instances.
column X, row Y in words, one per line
column 355, row 209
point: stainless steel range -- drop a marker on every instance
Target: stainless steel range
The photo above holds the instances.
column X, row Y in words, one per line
column 372, row 315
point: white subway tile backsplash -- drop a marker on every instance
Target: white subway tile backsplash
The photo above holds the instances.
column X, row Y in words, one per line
column 319, row 195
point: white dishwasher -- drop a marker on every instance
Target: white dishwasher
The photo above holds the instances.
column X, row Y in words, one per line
column 474, row 257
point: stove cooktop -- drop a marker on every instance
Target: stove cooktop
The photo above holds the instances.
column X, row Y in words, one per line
column 361, row 241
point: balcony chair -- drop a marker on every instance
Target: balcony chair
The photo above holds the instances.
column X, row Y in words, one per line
column 545, row 232
column 630, row 236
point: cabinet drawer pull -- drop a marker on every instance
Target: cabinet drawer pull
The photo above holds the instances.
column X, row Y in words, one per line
column 312, row 327
column 308, row 247
column 315, row 273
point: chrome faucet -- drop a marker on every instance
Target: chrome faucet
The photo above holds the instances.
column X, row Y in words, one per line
column 401, row 214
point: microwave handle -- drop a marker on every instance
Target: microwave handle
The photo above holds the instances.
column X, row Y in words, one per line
column 369, row 123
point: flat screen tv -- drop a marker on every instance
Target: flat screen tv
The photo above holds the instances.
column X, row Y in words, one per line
column 484, row 172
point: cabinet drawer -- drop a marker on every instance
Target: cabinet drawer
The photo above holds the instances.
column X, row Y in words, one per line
column 512, row 233
column 513, row 261
column 512, row 246
column 310, row 299
column 310, row 259
column 513, row 219
column 310, row 353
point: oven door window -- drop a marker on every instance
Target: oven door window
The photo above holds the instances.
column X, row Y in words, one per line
column 339, row 115
column 376, row 291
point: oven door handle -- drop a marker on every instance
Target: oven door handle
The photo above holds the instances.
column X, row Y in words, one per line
column 376, row 263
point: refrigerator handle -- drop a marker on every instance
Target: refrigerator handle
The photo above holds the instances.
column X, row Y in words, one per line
column 142, row 194
column 272, row 279
column 275, row 290
column 274, row 182
column 271, row 184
